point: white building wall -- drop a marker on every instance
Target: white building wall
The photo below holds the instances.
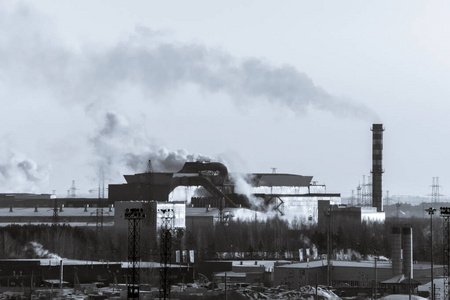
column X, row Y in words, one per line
column 304, row 209
column 370, row 214
column 285, row 190
column 317, row 189
column 178, row 214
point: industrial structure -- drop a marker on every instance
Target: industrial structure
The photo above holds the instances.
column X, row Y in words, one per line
column 377, row 166
column 402, row 251
column 209, row 185
column 369, row 206
column 134, row 217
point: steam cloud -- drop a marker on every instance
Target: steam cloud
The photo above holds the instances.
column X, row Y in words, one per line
column 21, row 174
column 242, row 186
column 36, row 250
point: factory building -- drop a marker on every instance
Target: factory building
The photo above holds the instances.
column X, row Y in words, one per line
column 390, row 276
column 334, row 213
column 154, row 212
column 345, row 273
column 352, row 215
column 22, row 273
column 209, row 185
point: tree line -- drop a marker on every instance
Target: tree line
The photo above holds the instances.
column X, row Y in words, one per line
column 269, row 239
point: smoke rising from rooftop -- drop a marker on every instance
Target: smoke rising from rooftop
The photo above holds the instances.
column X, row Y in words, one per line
column 36, row 250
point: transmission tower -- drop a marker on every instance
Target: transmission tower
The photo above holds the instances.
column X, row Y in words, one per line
column 55, row 218
column 101, row 183
column 167, row 216
column 134, row 216
column 435, row 191
column 145, row 190
column 99, row 214
column 386, row 202
column 359, row 195
column 398, row 209
column 445, row 213
column 369, row 191
column 72, row 192
column 364, row 191
column 149, row 167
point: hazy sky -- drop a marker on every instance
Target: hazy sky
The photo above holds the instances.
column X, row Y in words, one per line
column 295, row 85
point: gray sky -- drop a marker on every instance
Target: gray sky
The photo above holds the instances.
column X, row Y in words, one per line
column 256, row 84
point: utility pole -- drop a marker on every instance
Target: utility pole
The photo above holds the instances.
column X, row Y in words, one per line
column 329, row 240
column 376, row 277
column 445, row 213
column 431, row 212
column 134, row 216
column 167, row 216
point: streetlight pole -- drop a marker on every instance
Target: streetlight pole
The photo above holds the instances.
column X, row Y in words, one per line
column 376, row 277
column 431, row 213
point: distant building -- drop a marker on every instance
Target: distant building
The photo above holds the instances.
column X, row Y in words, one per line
column 350, row 215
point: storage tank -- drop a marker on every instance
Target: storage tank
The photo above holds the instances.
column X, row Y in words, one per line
column 396, row 251
column 407, row 251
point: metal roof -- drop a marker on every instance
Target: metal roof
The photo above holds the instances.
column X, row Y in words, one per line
column 269, row 179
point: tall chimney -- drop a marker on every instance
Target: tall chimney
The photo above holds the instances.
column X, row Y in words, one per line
column 377, row 166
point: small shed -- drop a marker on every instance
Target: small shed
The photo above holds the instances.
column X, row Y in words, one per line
column 400, row 285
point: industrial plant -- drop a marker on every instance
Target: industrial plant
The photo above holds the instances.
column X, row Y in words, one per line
column 158, row 216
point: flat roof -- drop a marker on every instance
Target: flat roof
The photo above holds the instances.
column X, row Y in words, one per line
column 76, row 262
column 48, row 211
column 275, row 179
column 231, row 274
column 355, row 264
column 338, row 263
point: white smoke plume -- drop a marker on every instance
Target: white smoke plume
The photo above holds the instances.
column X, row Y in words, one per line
column 162, row 159
column 243, row 186
column 19, row 173
column 31, row 54
column 36, row 250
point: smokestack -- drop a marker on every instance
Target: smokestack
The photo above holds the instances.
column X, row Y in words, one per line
column 407, row 251
column 396, row 251
column 377, row 166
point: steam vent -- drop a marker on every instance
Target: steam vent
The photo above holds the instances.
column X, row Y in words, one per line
column 377, row 166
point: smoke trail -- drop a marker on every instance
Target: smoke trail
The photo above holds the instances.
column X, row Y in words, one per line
column 30, row 54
